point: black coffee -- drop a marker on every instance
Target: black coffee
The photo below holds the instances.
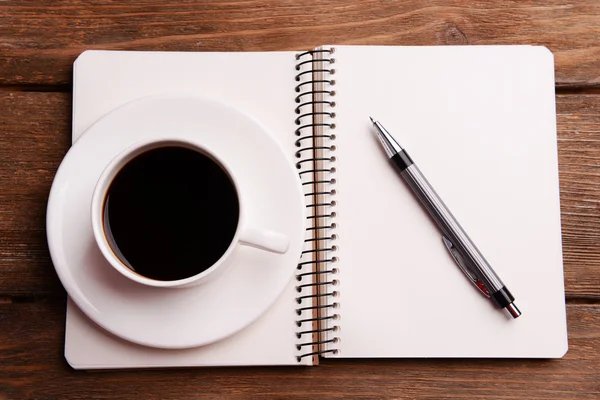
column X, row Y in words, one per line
column 171, row 213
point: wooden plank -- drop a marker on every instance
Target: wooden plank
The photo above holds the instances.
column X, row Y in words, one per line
column 578, row 119
column 32, row 366
column 35, row 135
column 40, row 39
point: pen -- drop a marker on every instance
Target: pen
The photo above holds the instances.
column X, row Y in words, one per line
column 460, row 246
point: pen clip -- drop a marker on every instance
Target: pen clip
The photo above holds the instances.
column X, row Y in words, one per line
column 459, row 261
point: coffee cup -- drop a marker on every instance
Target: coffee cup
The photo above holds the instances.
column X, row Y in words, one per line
column 169, row 213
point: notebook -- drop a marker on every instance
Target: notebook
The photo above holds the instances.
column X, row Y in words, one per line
column 375, row 279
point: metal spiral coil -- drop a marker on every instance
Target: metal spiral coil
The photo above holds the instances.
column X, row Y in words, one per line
column 314, row 99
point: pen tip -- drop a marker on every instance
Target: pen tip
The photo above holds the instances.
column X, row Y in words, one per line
column 513, row 310
column 372, row 120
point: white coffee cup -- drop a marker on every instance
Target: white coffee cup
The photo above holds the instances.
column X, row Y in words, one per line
column 245, row 235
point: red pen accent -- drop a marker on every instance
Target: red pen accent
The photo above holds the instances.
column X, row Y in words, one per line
column 482, row 287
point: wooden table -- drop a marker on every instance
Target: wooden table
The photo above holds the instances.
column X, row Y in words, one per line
column 39, row 41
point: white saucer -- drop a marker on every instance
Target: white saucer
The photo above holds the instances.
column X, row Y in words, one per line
column 190, row 317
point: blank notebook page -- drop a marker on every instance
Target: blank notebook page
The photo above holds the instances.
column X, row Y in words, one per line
column 480, row 124
column 259, row 84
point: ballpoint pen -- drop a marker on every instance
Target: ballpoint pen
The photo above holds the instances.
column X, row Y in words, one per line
column 460, row 246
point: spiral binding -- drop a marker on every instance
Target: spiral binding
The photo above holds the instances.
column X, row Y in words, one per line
column 315, row 153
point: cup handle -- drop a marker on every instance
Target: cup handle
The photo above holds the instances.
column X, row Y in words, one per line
column 265, row 240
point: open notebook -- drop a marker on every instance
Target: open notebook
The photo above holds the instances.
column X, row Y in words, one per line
column 375, row 279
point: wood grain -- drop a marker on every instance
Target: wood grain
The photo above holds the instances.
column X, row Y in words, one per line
column 40, row 39
column 578, row 119
column 32, row 366
column 35, row 135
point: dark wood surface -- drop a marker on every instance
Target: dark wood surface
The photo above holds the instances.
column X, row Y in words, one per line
column 39, row 41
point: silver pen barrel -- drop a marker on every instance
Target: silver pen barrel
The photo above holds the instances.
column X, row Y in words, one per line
column 451, row 228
